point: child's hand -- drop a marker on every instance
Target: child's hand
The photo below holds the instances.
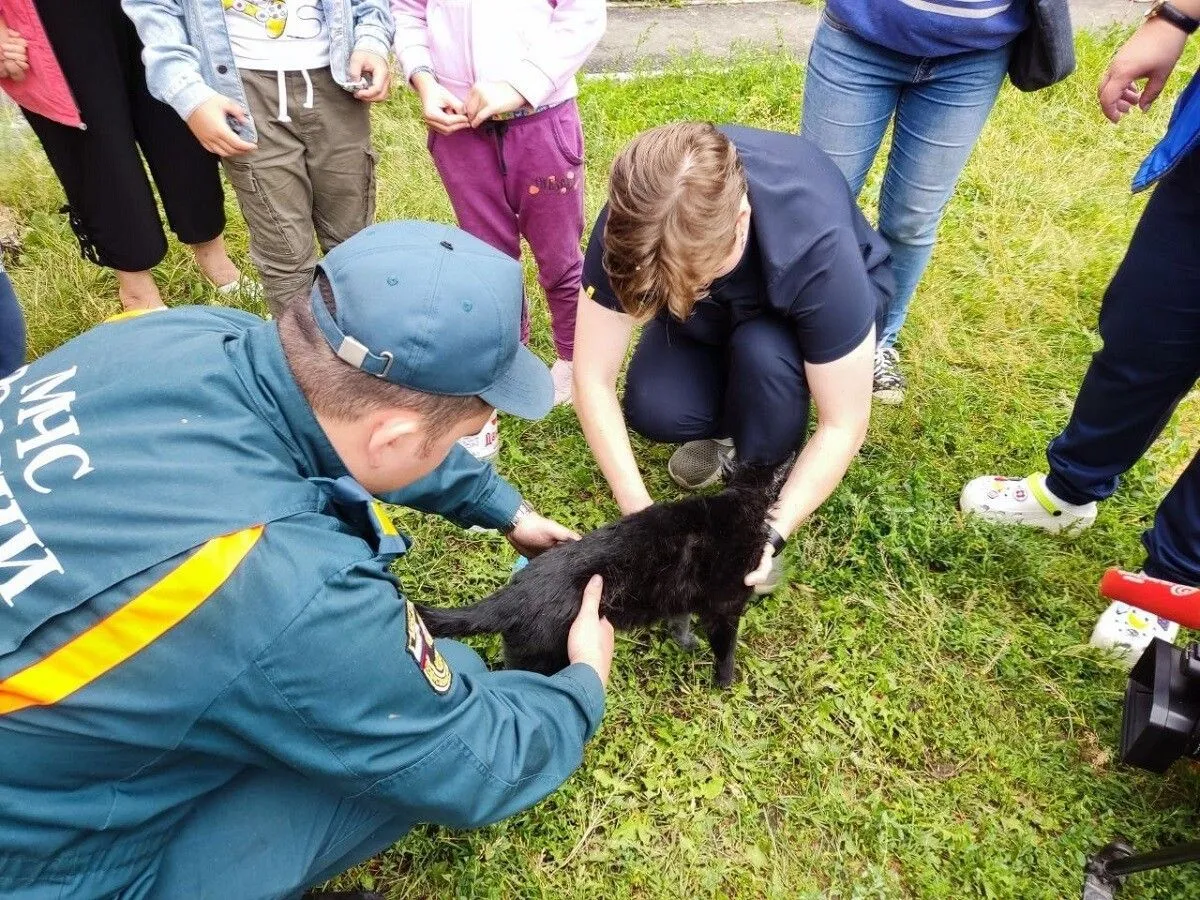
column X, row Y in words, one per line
column 443, row 112
column 490, row 98
column 375, row 69
column 208, row 124
column 14, row 55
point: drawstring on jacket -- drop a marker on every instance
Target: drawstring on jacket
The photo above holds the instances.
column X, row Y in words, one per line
column 281, row 81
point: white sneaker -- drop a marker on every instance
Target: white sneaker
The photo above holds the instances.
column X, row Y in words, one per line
column 1024, row 501
column 1127, row 631
column 486, row 443
column 563, row 373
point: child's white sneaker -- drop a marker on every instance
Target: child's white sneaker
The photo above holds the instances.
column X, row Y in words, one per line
column 486, row 443
column 1126, row 632
column 563, row 374
column 1024, row 501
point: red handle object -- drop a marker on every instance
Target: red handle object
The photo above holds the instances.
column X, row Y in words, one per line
column 1167, row 599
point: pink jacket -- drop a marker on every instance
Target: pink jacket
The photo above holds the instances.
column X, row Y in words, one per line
column 44, row 90
column 537, row 46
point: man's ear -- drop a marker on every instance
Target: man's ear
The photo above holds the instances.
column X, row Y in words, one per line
column 390, row 431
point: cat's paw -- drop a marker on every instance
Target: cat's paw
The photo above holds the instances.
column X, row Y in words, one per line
column 680, row 629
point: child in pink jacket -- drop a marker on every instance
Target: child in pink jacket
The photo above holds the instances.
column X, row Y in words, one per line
column 497, row 88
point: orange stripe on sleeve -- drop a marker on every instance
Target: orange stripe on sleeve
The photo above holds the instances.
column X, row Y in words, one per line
column 131, row 628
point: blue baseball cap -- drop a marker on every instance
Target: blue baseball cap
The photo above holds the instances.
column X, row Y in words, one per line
column 432, row 308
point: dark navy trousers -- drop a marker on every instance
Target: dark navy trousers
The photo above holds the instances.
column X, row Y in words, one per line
column 750, row 387
column 1150, row 324
column 12, row 329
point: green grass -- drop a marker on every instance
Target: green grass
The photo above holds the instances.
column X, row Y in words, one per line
column 918, row 714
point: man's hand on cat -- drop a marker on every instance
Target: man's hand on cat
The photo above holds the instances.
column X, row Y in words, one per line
column 591, row 637
column 763, row 572
column 535, row 534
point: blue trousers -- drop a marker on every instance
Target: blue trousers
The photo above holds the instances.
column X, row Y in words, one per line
column 269, row 835
column 12, row 329
column 750, row 388
column 1150, row 323
column 853, row 89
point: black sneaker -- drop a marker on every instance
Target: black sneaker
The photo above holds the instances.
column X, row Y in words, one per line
column 889, row 383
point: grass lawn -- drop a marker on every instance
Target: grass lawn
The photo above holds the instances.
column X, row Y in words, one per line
column 918, row 714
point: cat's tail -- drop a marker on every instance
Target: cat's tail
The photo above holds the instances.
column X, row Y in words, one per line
column 488, row 616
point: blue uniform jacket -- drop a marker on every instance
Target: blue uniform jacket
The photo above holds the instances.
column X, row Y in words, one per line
column 187, row 589
column 1182, row 137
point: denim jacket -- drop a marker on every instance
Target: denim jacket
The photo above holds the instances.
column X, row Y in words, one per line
column 189, row 58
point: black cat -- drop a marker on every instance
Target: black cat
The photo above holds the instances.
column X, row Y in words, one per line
column 668, row 561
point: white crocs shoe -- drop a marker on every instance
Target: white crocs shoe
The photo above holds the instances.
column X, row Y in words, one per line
column 1024, row 501
column 1126, row 632
column 486, row 443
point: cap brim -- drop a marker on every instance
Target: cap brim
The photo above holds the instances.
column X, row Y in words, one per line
column 525, row 390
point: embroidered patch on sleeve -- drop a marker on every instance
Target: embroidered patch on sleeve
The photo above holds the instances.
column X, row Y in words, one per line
column 420, row 644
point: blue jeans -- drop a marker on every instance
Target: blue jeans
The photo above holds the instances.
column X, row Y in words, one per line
column 853, row 90
column 12, row 329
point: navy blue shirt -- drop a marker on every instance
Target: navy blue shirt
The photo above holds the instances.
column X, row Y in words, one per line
column 932, row 27
column 831, row 273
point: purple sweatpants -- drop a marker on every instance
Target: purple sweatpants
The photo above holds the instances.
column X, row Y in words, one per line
column 524, row 177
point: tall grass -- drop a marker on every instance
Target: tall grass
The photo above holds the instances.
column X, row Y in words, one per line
column 918, row 714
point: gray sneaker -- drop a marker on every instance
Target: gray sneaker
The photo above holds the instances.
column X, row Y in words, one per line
column 697, row 464
column 889, row 383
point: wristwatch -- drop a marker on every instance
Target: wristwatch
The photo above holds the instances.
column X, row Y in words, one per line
column 522, row 511
column 1163, row 9
column 776, row 540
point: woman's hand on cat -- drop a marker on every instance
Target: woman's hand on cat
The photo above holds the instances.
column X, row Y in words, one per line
column 535, row 534
column 763, row 572
column 591, row 637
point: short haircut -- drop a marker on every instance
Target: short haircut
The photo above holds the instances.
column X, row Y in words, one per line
column 674, row 197
column 339, row 391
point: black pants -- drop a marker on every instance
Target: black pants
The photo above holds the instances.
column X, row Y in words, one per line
column 1150, row 323
column 112, row 207
column 751, row 389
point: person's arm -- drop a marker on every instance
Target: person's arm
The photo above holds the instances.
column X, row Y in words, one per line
column 1151, row 53
column 355, row 695
column 841, row 393
column 463, row 489
column 602, row 339
column 173, row 76
column 553, row 58
column 468, row 491
column 172, row 63
column 412, row 36
column 373, row 33
column 442, row 110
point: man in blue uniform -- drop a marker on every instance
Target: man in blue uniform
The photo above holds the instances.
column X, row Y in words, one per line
column 209, row 683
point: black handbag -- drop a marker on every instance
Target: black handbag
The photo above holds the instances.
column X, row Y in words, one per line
column 1044, row 53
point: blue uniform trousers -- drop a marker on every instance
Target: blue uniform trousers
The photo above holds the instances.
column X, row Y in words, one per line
column 271, row 834
column 1150, row 324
